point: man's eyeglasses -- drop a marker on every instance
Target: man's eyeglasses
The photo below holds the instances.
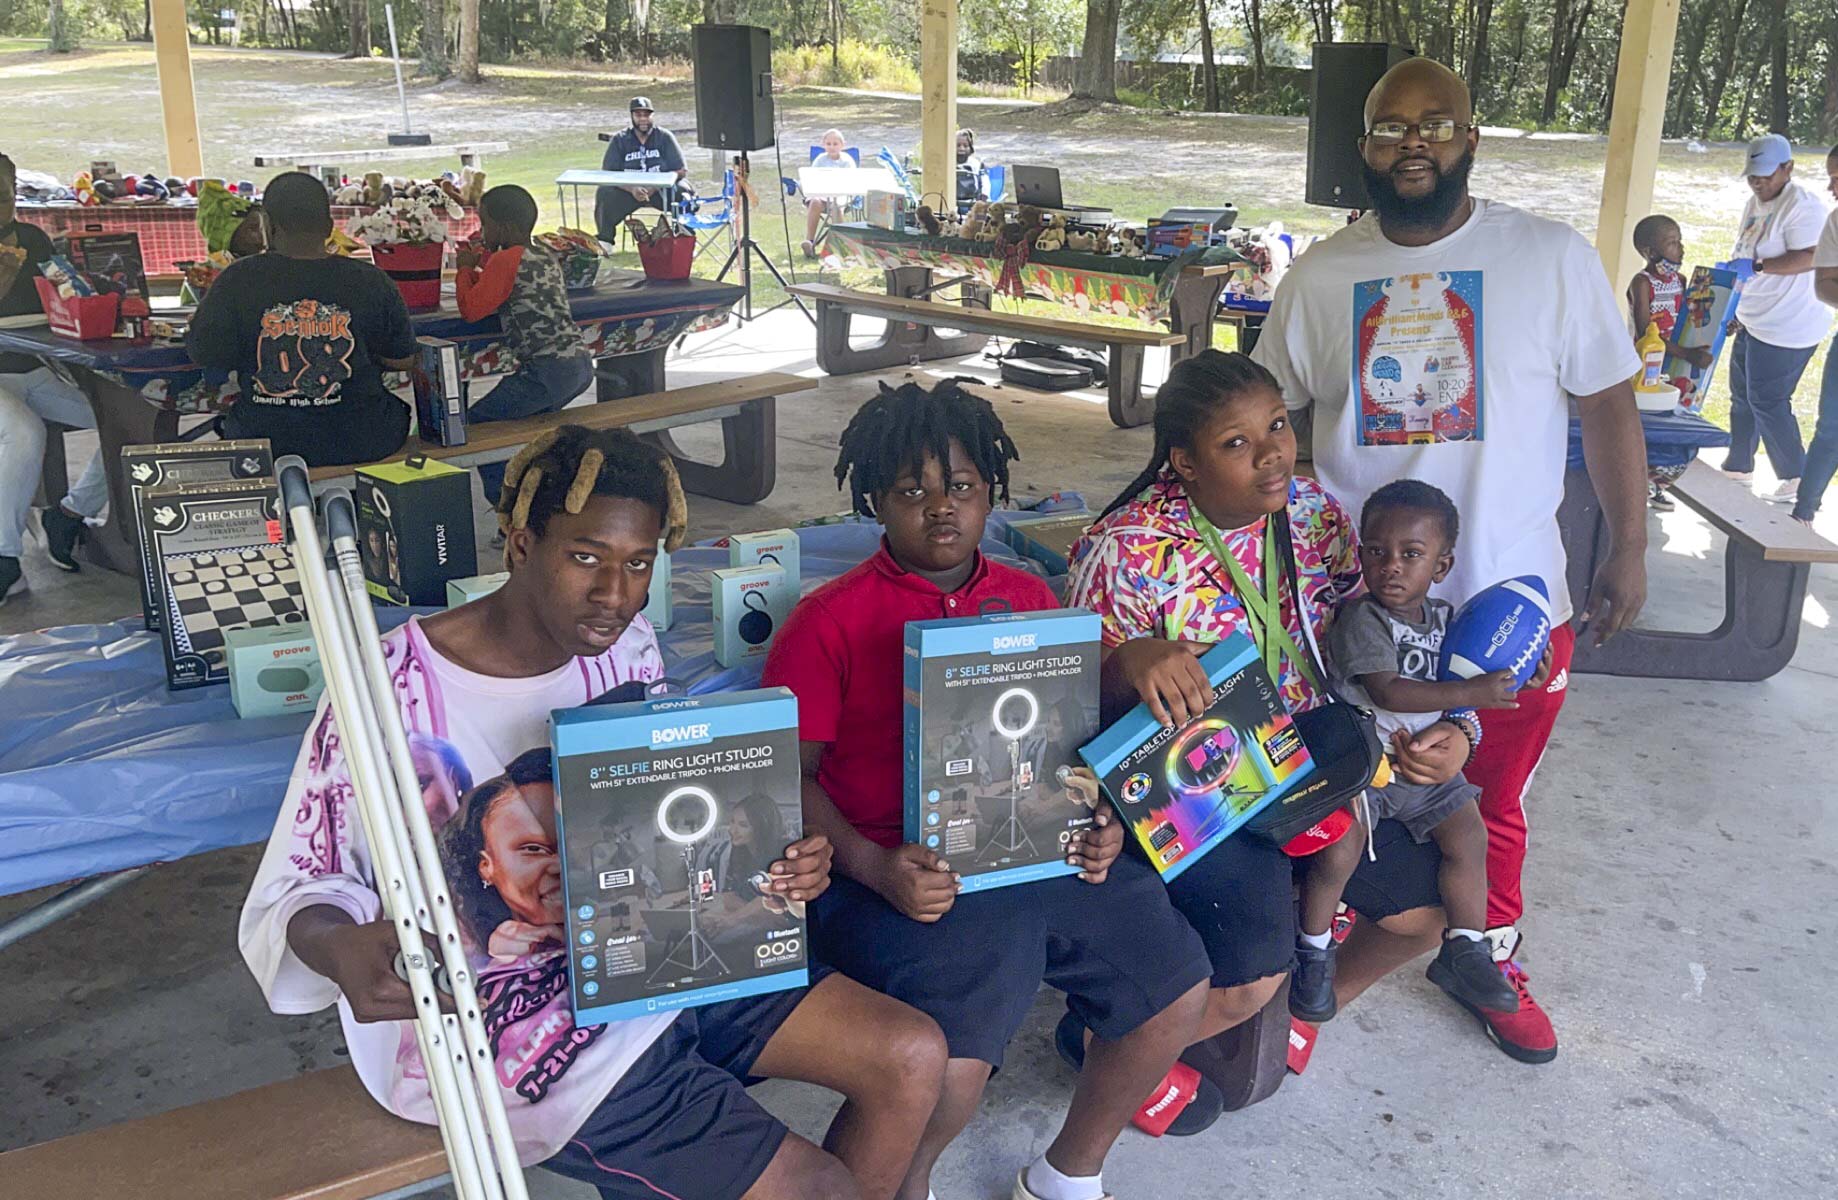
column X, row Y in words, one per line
column 1437, row 129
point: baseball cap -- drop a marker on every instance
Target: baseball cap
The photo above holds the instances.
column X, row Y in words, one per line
column 1768, row 154
column 644, row 102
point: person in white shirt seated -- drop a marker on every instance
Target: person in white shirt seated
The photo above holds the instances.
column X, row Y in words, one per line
column 835, row 155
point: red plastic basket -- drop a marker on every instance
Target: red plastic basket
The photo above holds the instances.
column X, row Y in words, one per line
column 88, row 318
column 415, row 267
column 668, row 258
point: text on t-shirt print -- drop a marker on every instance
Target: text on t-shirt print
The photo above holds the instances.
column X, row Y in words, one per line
column 303, row 355
column 1417, row 371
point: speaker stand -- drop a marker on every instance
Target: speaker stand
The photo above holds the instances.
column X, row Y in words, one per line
column 745, row 249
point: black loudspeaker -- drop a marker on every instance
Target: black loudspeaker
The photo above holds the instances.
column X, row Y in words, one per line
column 1343, row 76
column 733, row 65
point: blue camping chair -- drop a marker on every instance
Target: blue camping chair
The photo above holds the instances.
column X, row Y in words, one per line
column 998, row 181
column 711, row 216
column 791, row 185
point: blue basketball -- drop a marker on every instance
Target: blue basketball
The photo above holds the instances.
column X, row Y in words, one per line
column 1501, row 628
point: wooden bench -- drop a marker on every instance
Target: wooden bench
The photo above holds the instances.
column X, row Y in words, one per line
column 1766, row 566
column 911, row 319
column 317, row 1137
column 745, row 407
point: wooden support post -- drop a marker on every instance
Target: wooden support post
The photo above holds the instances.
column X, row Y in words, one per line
column 1647, row 34
column 938, row 96
column 178, row 103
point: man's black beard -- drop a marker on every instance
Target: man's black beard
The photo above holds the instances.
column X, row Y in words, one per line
column 1427, row 213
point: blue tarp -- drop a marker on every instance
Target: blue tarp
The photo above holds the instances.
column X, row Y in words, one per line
column 102, row 768
column 1673, row 439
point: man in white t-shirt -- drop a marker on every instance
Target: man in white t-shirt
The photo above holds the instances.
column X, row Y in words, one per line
column 1782, row 321
column 1822, row 454
column 641, row 1108
column 1500, row 318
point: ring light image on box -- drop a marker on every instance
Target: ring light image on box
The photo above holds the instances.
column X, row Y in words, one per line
column 670, row 813
column 996, row 708
column 1183, row 791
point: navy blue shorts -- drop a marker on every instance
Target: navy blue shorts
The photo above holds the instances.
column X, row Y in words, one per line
column 680, row 1122
column 1240, row 897
column 1117, row 949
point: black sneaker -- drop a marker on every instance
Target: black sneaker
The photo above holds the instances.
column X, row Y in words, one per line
column 1464, row 968
column 63, row 533
column 1206, row 1107
column 1311, row 985
column 10, row 576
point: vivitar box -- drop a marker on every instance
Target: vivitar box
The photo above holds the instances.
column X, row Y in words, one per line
column 170, row 464
column 414, row 529
column 996, row 710
column 1048, row 540
column 220, row 564
column 771, row 548
column 669, row 814
column 749, row 607
column 274, row 669
column 1183, row 791
column 465, row 591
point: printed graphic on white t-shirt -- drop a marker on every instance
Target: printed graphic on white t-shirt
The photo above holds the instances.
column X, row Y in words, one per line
column 1417, row 359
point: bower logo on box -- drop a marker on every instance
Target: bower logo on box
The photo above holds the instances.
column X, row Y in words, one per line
column 679, row 735
column 1013, row 643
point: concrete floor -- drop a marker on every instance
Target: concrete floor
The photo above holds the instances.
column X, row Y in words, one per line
column 1684, row 837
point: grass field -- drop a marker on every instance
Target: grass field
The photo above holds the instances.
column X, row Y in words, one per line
column 103, row 102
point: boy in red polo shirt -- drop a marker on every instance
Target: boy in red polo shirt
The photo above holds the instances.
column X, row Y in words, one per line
column 928, row 466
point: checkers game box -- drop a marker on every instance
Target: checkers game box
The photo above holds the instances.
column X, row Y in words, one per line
column 996, row 710
column 220, row 564
column 169, row 464
column 669, row 814
column 1183, row 791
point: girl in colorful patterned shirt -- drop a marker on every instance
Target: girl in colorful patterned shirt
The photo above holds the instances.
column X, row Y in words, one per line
column 1180, row 560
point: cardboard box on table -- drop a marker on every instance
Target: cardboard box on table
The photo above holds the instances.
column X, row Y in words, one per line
column 170, row 464
column 274, row 669
column 1183, row 791
column 749, row 607
column 440, row 394
column 996, row 710
column 107, row 257
column 668, row 814
column 1710, row 302
column 220, row 563
column 414, row 529
column 771, row 548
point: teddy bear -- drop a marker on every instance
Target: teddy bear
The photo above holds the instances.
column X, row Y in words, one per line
column 1052, row 234
column 1084, row 240
column 374, row 194
column 1134, row 244
column 928, row 221
column 974, row 222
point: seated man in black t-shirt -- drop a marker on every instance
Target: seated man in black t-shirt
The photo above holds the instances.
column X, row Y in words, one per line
column 643, row 147
column 309, row 335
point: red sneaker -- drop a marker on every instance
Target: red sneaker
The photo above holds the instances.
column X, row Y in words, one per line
column 1526, row 1035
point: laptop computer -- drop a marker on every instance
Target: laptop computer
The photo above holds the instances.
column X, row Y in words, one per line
column 1040, row 187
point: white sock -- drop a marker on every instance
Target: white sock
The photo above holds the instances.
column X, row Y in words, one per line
column 1316, row 941
column 1045, row 1181
column 1473, row 935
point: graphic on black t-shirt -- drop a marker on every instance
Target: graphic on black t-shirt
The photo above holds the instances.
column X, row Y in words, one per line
column 303, row 355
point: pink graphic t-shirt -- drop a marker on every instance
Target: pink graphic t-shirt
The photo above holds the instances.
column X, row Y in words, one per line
column 1146, row 572
column 464, row 729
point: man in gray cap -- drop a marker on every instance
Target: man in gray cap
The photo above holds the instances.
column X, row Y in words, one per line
column 643, row 147
column 1781, row 319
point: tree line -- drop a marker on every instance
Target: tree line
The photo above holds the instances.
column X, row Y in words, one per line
column 1739, row 67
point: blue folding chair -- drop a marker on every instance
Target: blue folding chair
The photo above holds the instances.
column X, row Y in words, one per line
column 998, row 181
column 710, row 216
column 791, row 185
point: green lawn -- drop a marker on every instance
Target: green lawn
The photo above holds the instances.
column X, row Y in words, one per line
column 103, row 102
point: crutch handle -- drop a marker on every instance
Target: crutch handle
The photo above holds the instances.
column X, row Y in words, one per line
column 296, row 491
column 340, row 515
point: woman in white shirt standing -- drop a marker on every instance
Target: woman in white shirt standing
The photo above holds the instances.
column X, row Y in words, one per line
column 1782, row 320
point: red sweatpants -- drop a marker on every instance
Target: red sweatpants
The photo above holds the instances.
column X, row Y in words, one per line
column 1512, row 745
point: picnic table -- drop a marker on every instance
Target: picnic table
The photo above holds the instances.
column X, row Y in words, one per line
column 139, row 389
column 580, row 177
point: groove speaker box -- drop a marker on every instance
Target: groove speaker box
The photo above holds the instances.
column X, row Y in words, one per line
column 1343, row 75
column 733, row 65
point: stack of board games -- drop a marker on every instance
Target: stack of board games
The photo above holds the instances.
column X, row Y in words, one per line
column 669, row 813
column 414, row 529
column 996, row 710
column 1184, row 790
column 220, row 564
column 169, row 464
column 440, row 395
column 1048, row 539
